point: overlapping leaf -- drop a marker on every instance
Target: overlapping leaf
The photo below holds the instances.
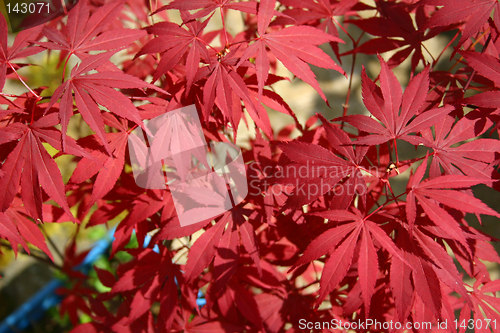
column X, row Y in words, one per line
column 397, row 112
column 173, row 42
column 473, row 13
column 473, row 158
column 340, row 242
column 444, row 190
column 30, row 166
column 92, row 90
column 295, row 47
column 83, row 33
column 487, row 66
column 20, row 48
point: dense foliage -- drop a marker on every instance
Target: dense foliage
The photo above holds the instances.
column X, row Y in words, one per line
column 322, row 234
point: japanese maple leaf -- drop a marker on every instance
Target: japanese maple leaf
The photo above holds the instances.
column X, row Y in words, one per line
column 294, row 46
column 473, row 158
column 19, row 229
column 443, row 190
column 108, row 168
column 431, row 266
column 203, row 250
column 141, row 206
column 341, row 142
column 220, row 239
column 226, row 88
column 484, row 303
column 258, row 172
column 489, row 67
column 173, row 42
column 401, row 285
column 228, row 255
column 324, row 171
column 226, row 260
column 150, row 278
column 20, row 49
column 396, row 30
column 340, row 242
column 30, row 165
column 9, row 232
column 153, row 204
column 92, row 90
column 396, row 111
column 83, row 33
column 427, row 286
column 269, row 98
column 208, row 6
column 474, row 13
column 322, row 11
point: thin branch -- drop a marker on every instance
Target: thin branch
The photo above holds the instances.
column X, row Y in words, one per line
column 42, row 257
column 53, row 244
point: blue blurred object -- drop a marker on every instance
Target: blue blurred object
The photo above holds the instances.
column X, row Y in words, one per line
column 35, row 308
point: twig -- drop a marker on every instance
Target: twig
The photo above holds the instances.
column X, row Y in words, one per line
column 34, row 254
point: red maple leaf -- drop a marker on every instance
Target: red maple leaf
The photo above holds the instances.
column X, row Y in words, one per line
column 473, row 158
column 173, row 42
column 396, row 30
column 321, row 14
column 83, row 33
column 92, row 90
column 208, row 6
column 444, row 190
column 397, row 112
column 324, row 170
column 20, row 48
column 108, row 168
column 487, row 66
column 473, row 13
column 294, row 46
column 226, row 88
column 30, row 165
column 18, row 229
column 340, row 242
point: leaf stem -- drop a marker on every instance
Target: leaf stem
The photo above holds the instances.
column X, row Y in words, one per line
column 22, row 81
column 64, row 68
column 242, row 41
column 376, row 210
column 445, row 48
column 348, row 96
column 53, row 244
column 344, row 30
column 384, row 204
column 429, row 52
column 470, row 47
column 396, row 152
column 474, row 71
column 133, row 128
column 353, row 65
column 223, row 26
